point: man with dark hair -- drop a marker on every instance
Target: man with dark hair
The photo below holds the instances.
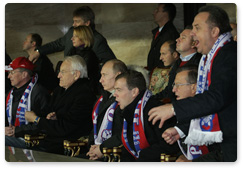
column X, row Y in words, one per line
column 164, row 15
column 141, row 140
column 83, row 15
column 43, row 66
column 25, row 95
column 107, row 117
column 215, row 103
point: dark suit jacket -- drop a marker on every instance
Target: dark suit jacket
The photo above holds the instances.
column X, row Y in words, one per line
column 152, row 133
column 73, row 109
column 221, row 98
column 92, row 66
column 46, row 75
column 100, row 47
column 167, row 92
column 168, row 32
column 115, row 140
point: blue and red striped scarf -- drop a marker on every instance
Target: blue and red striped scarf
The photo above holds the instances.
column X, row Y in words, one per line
column 24, row 104
column 105, row 131
column 139, row 138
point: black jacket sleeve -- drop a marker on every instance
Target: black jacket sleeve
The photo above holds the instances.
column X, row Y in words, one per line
column 57, row 45
column 222, row 91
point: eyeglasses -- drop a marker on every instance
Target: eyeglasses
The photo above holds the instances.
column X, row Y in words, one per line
column 13, row 72
column 180, row 84
column 65, row 71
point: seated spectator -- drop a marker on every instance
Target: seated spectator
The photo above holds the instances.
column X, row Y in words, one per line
column 69, row 113
column 104, row 107
column 25, row 95
column 142, row 140
column 82, row 42
column 188, row 55
column 185, row 86
column 160, row 76
column 43, row 66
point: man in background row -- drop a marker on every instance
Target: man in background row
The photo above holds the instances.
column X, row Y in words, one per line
column 83, row 15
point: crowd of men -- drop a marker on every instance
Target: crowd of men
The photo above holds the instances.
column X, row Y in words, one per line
column 197, row 122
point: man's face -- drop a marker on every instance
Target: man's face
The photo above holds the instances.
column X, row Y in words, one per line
column 159, row 13
column 27, row 43
column 184, row 42
column 66, row 76
column 166, row 56
column 76, row 41
column 123, row 95
column 108, row 76
column 183, row 91
column 202, row 33
column 78, row 21
column 16, row 78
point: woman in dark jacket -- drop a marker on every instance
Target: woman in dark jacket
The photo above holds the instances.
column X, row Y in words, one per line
column 83, row 40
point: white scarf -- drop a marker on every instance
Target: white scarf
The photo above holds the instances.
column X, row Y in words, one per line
column 197, row 135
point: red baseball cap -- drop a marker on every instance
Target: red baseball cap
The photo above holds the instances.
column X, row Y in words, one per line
column 20, row 62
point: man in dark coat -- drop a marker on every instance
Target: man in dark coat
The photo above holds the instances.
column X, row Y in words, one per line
column 25, row 95
column 109, row 72
column 70, row 107
column 219, row 70
column 43, row 66
column 163, row 17
column 141, row 140
column 83, row 15
column 188, row 56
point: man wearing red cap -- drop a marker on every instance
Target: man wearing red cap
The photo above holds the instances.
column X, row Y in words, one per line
column 25, row 95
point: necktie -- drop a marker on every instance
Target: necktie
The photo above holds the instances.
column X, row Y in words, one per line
column 157, row 33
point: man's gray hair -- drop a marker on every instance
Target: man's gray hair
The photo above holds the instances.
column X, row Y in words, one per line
column 79, row 64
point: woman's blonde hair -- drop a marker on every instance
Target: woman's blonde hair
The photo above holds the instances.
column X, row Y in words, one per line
column 85, row 34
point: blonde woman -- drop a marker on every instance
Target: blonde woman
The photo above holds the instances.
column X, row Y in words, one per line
column 83, row 40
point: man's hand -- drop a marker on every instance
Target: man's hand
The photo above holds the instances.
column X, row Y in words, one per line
column 171, row 135
column 10, row 131
column 92, row 155
column 33, row 57
column 182, row 158
column 30, row 116
column 161, row 113
column 98, row 152
column 51, row 116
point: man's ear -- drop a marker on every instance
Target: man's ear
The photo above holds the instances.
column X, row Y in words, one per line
column 117, row 74
column 33, row 43
column 175, row 55
column 194, row 88
column 87, row 23
column 215, row 32
column 135, row 92
column 77, row 75
column 24, row 74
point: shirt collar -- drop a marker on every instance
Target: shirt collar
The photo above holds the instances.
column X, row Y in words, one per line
column 186, row 58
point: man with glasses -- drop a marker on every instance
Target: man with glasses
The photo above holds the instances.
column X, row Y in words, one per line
column 25, row 95
column 70, row 107
column 216, row 98
column 163, row 15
